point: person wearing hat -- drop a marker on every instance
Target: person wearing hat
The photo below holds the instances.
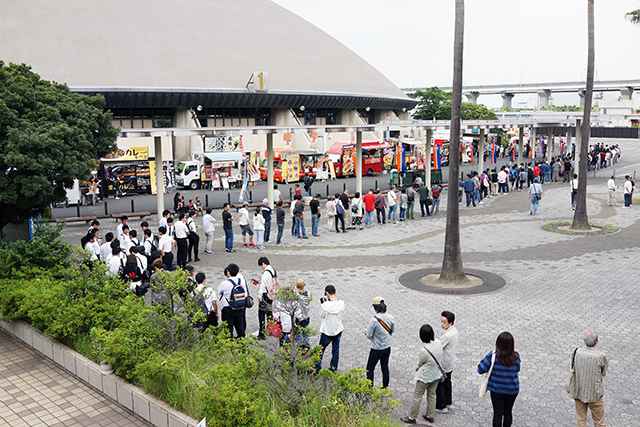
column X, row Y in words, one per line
column 379, row 330
column 611, row 188
column 266, row 214
column 535, row 194
column 314, row 205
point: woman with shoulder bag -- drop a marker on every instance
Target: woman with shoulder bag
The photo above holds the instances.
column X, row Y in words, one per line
column 339, row 213
column 428, row 373
column 503, row 382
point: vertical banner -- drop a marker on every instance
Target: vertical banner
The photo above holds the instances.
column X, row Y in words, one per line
column 293, row 167
column 286, row 138
column 254, row 168
column 332, row 170
column 152, row 175
column 313, row 140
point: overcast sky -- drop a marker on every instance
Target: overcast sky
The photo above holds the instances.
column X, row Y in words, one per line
column 506, row 41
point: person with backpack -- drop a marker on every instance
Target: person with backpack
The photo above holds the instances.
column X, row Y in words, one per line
column 205, row 299
column 131, row 273
column 233, row 297
column 269, row 286
column 381, row 204
column 379, row 330
column 435, row 193
column 308, row 182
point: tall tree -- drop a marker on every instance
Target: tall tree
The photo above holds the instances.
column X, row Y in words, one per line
column 48, row 137
column 580, row 217
column 452, row 269
column 435, row 103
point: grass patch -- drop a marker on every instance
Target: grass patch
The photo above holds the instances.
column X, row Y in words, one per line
column 557, row 227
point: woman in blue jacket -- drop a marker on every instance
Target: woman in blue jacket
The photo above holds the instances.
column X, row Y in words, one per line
column 504, row 384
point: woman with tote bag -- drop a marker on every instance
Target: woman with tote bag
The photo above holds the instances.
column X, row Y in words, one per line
column 502, row 366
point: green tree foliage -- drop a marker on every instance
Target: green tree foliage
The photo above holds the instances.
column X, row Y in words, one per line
column 634, row 16
column 48, row 137
column 436, row 103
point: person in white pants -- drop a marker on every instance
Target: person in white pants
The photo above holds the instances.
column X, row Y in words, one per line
column 208, row 225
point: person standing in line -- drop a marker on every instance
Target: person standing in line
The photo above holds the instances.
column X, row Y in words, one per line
column 435, row 192
column 258, row 227
column 280, row 216
column 165, row 245
column 265, row 305
column 208, row 224
column 611, row 188
column 330, row 207
column 227, row 226
column 277, row 195
column 301, row 229
column 379, row 330
column 411, row 200
column 123, row 221
column 628, row 191
column 428, row 374
column 574, row 191
column 392, row 202
column 292, row 208
column 340, row 213
column 369, row 207
column 381, row 204
column 402, row 201
column 235, row 318
column 356, row 212
column 314, row 206
column 449, row 341
column 181, row 236
column 163, row 221
column 535, row 194
column 423, row 192
column 194, row 239
column 266, row 214
column 590, row 366
column 504, row 383
column 331, row 327
column 346, row 203
column 243, row 221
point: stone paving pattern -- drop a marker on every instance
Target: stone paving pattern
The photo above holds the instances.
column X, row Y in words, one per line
column 558, row 286
column 34, row 391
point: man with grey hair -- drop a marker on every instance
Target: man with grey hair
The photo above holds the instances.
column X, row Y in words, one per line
column 590, row 366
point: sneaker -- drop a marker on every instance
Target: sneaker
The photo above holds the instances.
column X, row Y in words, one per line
column 196, row 260
column 443, row 410
column 246, row 244
column 530, row 212
column 253, row 245
column 230, row 250
column 395, row 222
column 305, row 237
column 449, row 406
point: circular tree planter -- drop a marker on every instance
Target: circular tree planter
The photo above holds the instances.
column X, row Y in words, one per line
column 564, row 227
column 425, row 280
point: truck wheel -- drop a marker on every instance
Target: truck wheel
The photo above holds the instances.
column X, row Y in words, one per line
column 194, row 185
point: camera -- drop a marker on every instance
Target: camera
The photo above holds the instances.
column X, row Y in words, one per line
column 323, row 299
column 255, row 282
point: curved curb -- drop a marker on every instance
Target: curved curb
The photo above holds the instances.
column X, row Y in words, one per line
column 491, row 282
column 603, row 229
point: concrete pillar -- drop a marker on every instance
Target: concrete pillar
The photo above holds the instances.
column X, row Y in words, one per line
column 545, row 96
column 481, row 151
column 472, row 97
column 270, row 169
column 506, row 99
column 578, row 138
column 359, row 162
column 569, row 137
column 626, row 93
column 159, row 175
column 581, row 94
column 428, row 154
column 520, row 144
column 550, row 144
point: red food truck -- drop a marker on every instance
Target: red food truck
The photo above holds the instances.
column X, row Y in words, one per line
column 343, row 156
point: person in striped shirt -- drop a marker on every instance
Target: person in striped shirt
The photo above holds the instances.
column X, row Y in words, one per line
column 503, row 384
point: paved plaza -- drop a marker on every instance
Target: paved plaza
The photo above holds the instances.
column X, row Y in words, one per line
column 558, row 286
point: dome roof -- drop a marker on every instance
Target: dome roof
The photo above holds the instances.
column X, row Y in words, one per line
column 155, row 47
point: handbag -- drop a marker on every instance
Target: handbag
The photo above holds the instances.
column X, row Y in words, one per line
column 444, row 374
column 483, row 387
column 339, row 209
column 274, row 328
column 570, row 385
column 248, row 302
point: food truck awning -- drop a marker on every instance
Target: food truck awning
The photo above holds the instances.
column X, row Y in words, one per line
column 225, row 157
column 336, row 148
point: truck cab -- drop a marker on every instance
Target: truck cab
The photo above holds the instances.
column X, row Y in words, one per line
column 189, row 173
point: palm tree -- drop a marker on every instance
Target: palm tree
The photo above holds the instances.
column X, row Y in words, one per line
column 580, row 218
column 634, row 16
column 452, row 270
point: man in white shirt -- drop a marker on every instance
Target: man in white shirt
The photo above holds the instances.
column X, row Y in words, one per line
column 123, row 221
column 331, row 326
column 277, row 195
column 265, row 305
column 164, row 246
column 208, row 224
column 125, row 240
column 209, row 297
column 392, row 202
column 503, row 187
column 91, row 248
column 140, row 259
column 194, row 239
column 181, row 236
column 628, row 191
column 235, row 318
column 243, row 221
column 449, row 343
column 163, row 220
column 611, row 188
column 105, row 248
column 114, row 262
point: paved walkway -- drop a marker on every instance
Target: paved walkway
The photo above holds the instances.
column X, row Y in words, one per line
column 34, row 391
column 558, row 286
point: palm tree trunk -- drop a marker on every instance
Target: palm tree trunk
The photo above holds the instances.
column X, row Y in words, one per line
column 580, row 217
column 452, row 270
